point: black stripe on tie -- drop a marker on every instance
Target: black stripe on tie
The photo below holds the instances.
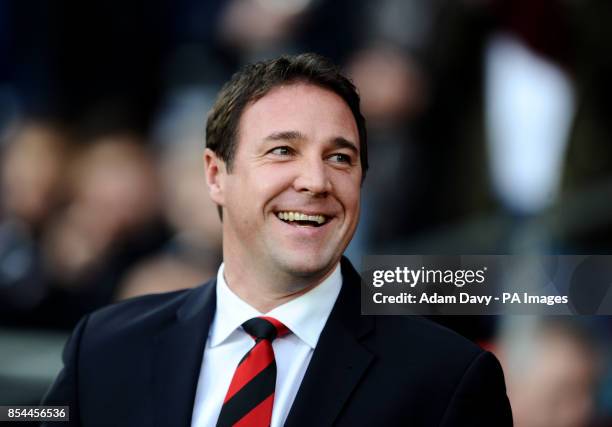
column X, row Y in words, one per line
column 260, row 329
column 249, row 396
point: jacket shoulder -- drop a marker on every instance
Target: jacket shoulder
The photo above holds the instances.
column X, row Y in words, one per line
column 139, row 314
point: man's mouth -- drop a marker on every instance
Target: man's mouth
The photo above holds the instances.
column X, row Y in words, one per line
column 302, row 219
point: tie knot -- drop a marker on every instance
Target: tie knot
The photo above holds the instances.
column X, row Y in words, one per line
column 264, row 327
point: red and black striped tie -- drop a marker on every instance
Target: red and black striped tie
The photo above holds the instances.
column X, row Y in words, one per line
column 250, row 397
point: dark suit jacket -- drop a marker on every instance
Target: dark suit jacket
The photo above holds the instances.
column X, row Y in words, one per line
column 137, row 364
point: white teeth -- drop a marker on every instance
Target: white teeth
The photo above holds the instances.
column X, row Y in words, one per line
column 298, row 216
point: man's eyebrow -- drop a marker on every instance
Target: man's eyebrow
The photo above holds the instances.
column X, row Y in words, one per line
column 288, row 135
column 340, row 142
column 294, row 135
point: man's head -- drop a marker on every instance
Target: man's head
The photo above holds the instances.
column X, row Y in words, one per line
column 285, row 158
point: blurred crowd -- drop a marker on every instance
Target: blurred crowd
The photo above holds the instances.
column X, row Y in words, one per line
column 489, row 132
column 89, row 224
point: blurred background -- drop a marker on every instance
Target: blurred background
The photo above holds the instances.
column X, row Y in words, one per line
column 490, row 127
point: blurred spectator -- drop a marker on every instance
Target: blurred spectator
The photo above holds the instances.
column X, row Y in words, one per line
column 259, row 29
column 552, row 370
column 114, row 192
column 32, row 170
column 394, row 93
column 193, row 254
column 391, row 85
column 552, row 42
column 31, row 179
column 187, row 205
column 393, row 80
column 530, row 103
column 255, row 27
column 113, row 220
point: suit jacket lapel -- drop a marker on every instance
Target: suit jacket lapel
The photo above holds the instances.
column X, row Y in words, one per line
column 339, row 360
column 178, row 357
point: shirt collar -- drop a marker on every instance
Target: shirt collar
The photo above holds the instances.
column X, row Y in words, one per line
column 305, row 315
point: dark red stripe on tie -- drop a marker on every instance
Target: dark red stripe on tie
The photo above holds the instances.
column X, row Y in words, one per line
column 250, row 397
column 251, row 364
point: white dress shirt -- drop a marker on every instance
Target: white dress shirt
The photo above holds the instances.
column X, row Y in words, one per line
column 227, row 343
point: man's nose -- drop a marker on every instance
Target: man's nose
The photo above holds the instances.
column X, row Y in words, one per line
column 313, row 178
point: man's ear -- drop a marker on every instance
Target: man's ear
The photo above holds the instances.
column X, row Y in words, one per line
column 215, row 176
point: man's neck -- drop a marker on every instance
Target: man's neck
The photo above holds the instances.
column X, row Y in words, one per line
column 264, row 291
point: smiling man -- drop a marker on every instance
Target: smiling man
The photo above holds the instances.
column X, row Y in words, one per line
column 290, row 195
column 277, row 338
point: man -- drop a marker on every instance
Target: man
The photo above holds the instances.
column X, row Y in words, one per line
column 278, row 339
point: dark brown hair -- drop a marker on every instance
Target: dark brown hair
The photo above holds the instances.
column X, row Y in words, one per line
column 256, row 80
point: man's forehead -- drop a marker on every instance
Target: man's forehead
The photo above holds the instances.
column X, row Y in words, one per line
column 292, row 111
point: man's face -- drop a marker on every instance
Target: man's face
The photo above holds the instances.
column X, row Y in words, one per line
column 291, row 202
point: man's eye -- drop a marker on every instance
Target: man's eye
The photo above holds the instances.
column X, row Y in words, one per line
column 281, row 151
column 340, row 158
